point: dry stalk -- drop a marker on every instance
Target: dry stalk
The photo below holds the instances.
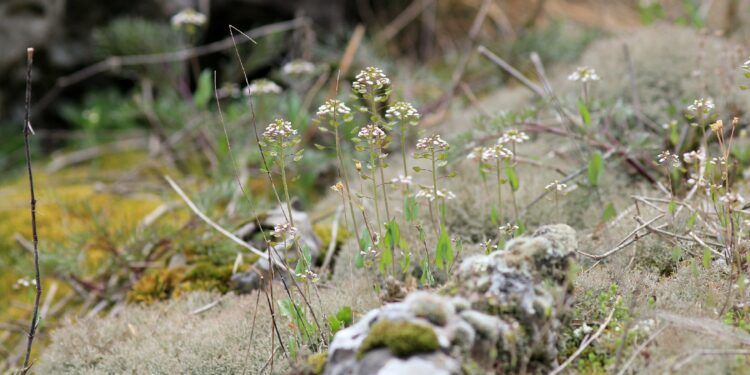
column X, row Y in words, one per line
column 28, row 131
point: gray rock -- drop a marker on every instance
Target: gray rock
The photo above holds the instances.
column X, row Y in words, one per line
column 505, row 310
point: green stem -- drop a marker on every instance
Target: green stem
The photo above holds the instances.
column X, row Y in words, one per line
column 382, row 184
column 375, row 187
column 345, row 177
column 435, row 189
column 499, row 192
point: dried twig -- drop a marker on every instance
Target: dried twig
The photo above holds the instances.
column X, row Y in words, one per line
column 27, row 131
column 116, row 62
column 402, row 20
column 631, row 238
column 332, row 244
column 587, row 342
column 640, row 348
column 511, row 70
column 217, row 227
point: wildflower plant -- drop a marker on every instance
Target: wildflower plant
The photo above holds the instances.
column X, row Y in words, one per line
column 279, row 142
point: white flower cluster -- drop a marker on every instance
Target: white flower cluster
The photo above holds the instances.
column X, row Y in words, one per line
column 188, row 17
column 24, row 283
column 584, row 74
column 402, row 180
column 731, row 199
column 666, row 157
column 509, row 229
column 284, row 230
column 745, row 66
column 513, row 136
column 372, row 133
column 701, row 106
column 279, row 128
column 496, row 152
column 431, row 194
column 693, row 156
column 432, row 143
column 333, row 106
column 262, row 87
column 402, row 111
column 309, row 276
column 370, row 78
column 298, row 68
column 555, row 186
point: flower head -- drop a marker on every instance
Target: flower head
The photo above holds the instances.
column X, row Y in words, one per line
column 24, row 283
column 279, row 129
column 693, row 156
column 431, row 194
column 370, row 78
column 555, row 186
column 298, row 68
column 717, row 126
column 372, row 134
column 432, row 143
column 338, row 187
column 496, row 152
column 335, row 107
column 509, row 229
column 584, row 74
column 262, row 87
column 700, row 107
column 402, row 180
column 731, row 199
column 402, row 111
column 188, row 17
column 284, row 230
column 514, row 136
column 666, row 157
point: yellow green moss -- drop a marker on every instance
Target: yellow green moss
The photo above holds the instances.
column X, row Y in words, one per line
column 158, row 285
column 317, row 362
column 401, row 338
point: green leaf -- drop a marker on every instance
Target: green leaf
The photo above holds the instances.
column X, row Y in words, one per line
column 345, row 315
column 334, row 324
column 493, row 216
column 386, row 258
column 291, row 347
column 512, row 177
column 521, row 228
column 609, row 213
column 364, row 244
column 203, row 90
column 706, row 258
column 444, row 251
column 584, row 111
column 672, row 207
column 427, row 279
column 596, row 168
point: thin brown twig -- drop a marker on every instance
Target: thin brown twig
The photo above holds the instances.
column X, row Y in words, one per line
column 631, row 238
column 586, row 343
column 27, row 131
column 116, row 62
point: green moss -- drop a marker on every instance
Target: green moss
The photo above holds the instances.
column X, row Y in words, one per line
column 317, row 362
column 158, row 285
column 401, row 338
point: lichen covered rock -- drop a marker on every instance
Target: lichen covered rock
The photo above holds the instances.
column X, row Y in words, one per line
column 501, row 313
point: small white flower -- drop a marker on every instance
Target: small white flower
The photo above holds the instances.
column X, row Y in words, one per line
column 584, row 74
column 372, row 133
column 475, row 153
column 298, row 68
column 284, row 230
column 496, row 152
column 666, row 157
column 430, row 194
column 555, row 186
column 509, row 229
column 188, row 17
column 402, row 180
column 701, row 106
column 309, row 275
column 692, row 156
column 24, row 283
column 370, row 78
column 333, row 106
column 745, row 66
column 731, row 199
column 262, row 87
column 402, row 111
column 279, row 128
column 514, row 136
column 432, row 143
